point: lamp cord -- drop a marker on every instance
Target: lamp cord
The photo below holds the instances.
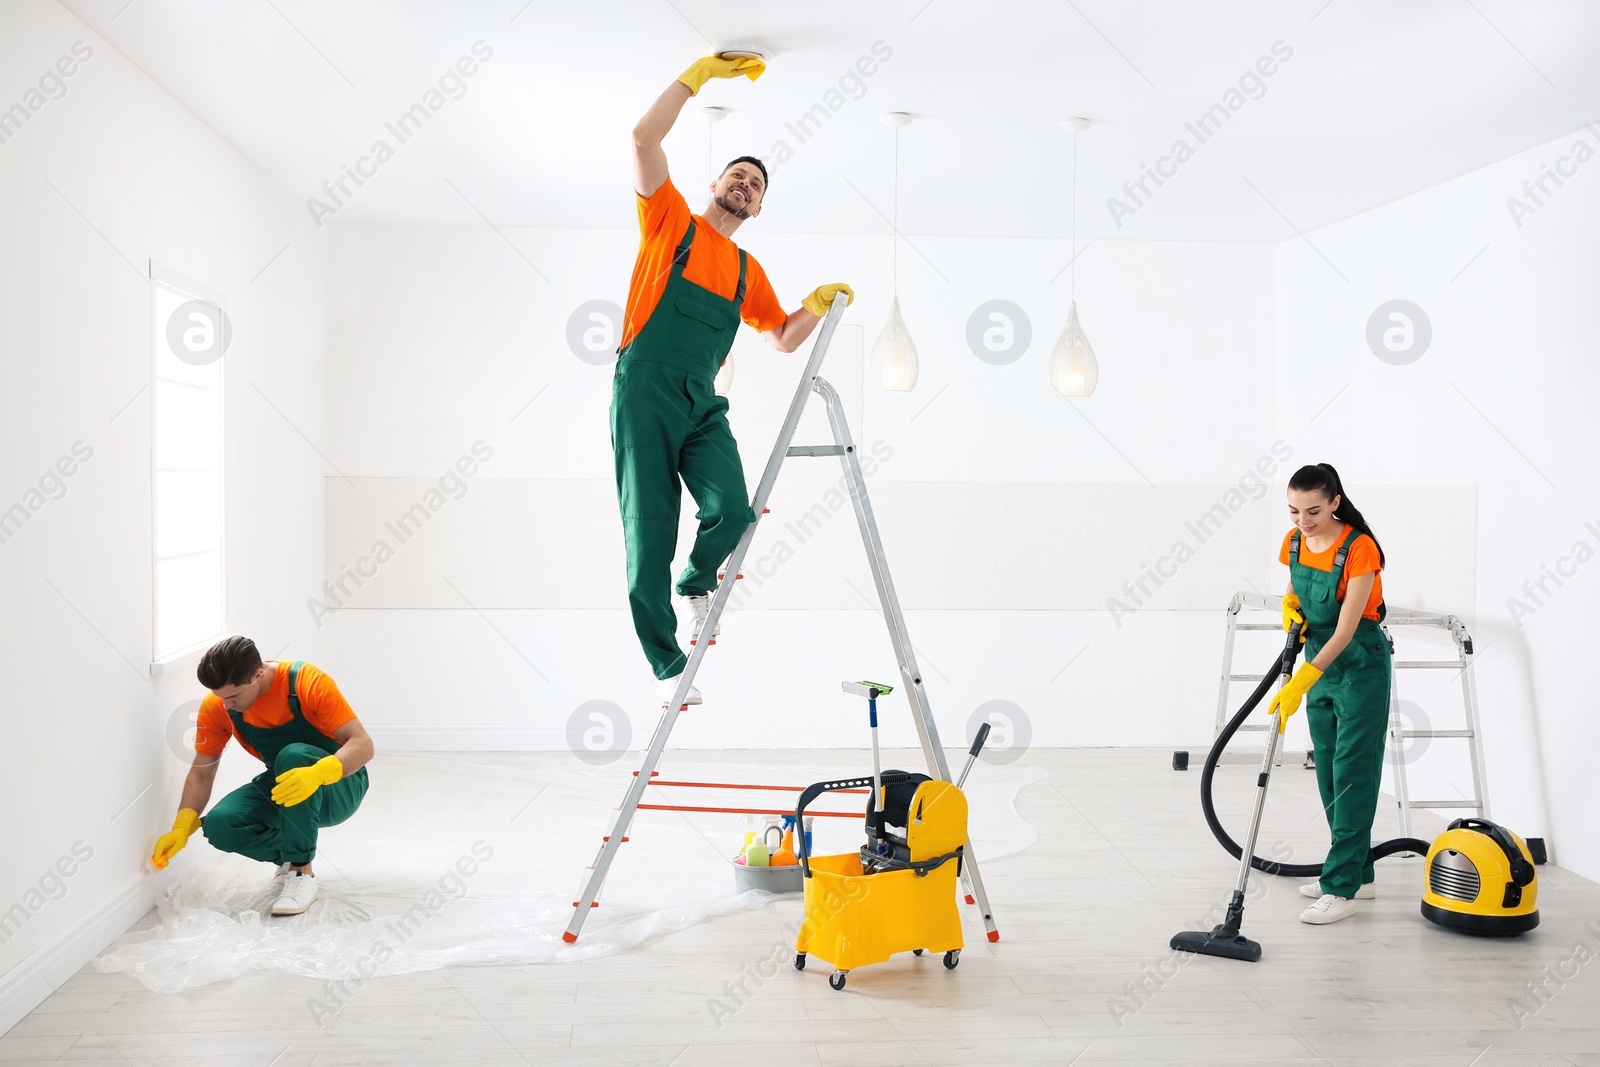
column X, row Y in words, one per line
column 895, row 271
column 1074, row 218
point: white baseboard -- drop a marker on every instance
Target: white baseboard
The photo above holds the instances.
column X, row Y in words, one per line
column 443, row 737
column 30, row 982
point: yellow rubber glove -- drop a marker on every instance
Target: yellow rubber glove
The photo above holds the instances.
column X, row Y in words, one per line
column 171, row 843
column 821, row 298
column 1287, row 700
column 1291, row 615
column 297, row 784
column 703, row 70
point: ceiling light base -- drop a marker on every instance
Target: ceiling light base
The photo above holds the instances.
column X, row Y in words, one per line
column 745, row 50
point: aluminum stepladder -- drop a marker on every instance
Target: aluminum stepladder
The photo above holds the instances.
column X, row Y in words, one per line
column 927, row 731
column 1239, row 602
column 1399, row 734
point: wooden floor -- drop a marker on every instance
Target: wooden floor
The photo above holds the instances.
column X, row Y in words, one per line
column 1082, row 976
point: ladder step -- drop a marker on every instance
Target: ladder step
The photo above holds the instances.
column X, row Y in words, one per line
column 608, row 838
column 1245, row 677
column 815, row 450
column 1257, row 626
column 1428, row 664
column 1435, row 733
column 1444, row 804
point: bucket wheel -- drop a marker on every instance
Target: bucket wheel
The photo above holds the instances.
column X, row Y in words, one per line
column 799, row 961
column 918, row 951
column 952, row 958
column 836, row 979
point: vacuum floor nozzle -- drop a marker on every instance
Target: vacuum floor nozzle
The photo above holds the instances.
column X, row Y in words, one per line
column 1223, row 940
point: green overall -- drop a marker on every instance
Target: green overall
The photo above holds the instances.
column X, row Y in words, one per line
column 668, row 423
column 1348, row 712
column 248, row 822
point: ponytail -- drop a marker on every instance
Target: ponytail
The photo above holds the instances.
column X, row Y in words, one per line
column 1322, row 478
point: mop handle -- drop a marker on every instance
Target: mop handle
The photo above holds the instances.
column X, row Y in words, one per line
column 972, row 754
column 877, row 784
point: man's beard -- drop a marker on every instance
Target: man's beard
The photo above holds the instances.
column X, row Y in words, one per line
column 733, row 209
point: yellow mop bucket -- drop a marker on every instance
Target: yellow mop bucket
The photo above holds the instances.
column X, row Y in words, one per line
column 897, row 894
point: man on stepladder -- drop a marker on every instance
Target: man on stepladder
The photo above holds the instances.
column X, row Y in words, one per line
column 691, row 287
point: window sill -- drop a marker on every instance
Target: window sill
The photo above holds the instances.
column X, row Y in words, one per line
column 177, row 661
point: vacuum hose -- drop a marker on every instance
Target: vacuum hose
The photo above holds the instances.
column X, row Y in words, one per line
column 1282, row 666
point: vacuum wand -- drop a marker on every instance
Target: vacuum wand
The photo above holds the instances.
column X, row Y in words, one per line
column 1224, row 939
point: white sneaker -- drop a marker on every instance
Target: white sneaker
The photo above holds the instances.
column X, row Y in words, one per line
column 701, row 607
column 1314, row 890
column 1328, row 909
column 666, row 687
column 299, row 890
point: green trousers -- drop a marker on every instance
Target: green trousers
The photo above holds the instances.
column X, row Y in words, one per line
column 1348, row 712
column 249, row 823
column 670, row 429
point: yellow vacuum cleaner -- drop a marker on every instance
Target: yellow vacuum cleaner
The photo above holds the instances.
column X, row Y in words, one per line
column 1481, row 880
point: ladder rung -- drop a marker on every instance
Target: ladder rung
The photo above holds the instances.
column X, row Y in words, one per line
column 1444, row 804
column 1257, row 626
column 747, row 811
column 1435, row 733
column 1426, row 664
column 815, row 450
column 1245, row 677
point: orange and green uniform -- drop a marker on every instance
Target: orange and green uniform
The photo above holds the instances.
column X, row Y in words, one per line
column 691, row 288
column 290, row 725
column 1348, row 707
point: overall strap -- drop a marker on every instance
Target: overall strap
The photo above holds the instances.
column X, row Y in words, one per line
column 1344, row 550
column 294, row 698
column 680, row 258
column 1294, row 548
column 738, row 294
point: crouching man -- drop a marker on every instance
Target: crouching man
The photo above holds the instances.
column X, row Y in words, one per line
column 292, row 718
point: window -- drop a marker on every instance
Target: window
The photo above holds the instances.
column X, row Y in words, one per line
column 190, row 332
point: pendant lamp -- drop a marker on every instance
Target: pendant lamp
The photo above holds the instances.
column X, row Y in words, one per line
column 1074, row 372
column 893, row 364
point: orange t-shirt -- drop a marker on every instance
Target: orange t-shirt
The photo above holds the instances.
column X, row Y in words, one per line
column 321, row 703
column 1363, row 559
column 713, row 265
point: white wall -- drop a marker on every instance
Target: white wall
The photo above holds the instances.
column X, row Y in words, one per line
column 96, row 184
column 1504, row 399
column 441, row 336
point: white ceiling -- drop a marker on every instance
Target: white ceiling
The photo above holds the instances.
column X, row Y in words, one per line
column 1380, row 99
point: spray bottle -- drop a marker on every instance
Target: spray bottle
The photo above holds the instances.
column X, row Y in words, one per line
column 749, row 838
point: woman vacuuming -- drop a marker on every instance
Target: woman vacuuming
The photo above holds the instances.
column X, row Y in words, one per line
column 1336, row 593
